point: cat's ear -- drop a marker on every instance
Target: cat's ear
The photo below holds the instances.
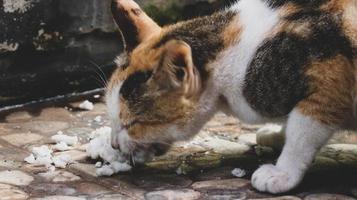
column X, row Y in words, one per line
column 178, row 68
column 134, row 24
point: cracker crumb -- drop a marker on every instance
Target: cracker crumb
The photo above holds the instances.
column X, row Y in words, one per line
column 86, row 105
column 100, row 148
column 238, row 172
column 68, row 140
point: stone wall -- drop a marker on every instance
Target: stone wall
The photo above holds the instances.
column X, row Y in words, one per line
column 52, row 47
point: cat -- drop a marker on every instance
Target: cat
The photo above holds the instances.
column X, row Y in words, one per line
column 292, row 61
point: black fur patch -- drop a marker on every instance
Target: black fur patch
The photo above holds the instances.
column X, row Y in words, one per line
column 134, row 87
column 305, row 3
column 275, row 80
column 203, row 35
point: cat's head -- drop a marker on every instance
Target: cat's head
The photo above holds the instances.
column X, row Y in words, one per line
column 153, row 93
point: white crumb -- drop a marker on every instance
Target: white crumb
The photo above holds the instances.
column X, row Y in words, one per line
column 98, row 165
column 61, row 146
column 30, row 159
column 113, row 168
column 69, row 140
column 106, row 170
column 86, row 105
column 62, row 161
column 96, row 96
column 42, row 151
column 51, row 168
column 120, row 167
column 43, row 161
column 105, row 130
column 237, row 172
column 100, row 147
column 98, row 119
column 270, row 129
column 42, row 155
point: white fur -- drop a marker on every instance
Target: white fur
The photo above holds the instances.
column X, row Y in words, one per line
column 304, row 137
column 257, row 20
column 119, row 137
column 121, row 59
column 112, row 102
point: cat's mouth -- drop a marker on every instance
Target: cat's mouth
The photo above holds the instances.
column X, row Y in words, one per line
column 141, row 153
column 134, row 151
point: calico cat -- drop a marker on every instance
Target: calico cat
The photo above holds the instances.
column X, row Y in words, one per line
column 292, row 61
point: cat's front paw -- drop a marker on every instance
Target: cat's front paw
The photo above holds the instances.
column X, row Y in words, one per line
column 268, row 178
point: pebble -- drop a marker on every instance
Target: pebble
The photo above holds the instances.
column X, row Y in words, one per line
column 61, row 146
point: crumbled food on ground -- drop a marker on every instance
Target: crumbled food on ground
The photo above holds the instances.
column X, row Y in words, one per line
column 62, row 161
column 30, row 159
column 41, row 156
column 106, row 170
column 86, row 105
column 100, row 147
column 98, row 119
column 61, row 146
column 42, row 151
column 238, row 172
column 270, row 128
column 69, row 140
column 98, row 164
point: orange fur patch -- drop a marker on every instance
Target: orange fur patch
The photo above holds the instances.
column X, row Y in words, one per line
column 293, row 27
column 288, row 9
column 332, row 83
column 350, row 21
column 231, row 34
column 335, row 6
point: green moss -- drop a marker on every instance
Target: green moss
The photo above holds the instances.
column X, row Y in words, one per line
column 169, row 15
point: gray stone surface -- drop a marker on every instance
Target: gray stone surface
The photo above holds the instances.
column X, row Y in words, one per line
column 8, row 192
column 327, row 196
column 15, row 177
column 226, row 184
column 185, row 194
column 197, row 169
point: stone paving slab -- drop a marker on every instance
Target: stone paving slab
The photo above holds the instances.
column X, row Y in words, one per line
column 197, row 169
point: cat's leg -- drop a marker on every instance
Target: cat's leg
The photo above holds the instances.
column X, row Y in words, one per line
column 304, row 137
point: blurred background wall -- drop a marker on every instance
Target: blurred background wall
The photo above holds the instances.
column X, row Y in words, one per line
column 55, row 47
